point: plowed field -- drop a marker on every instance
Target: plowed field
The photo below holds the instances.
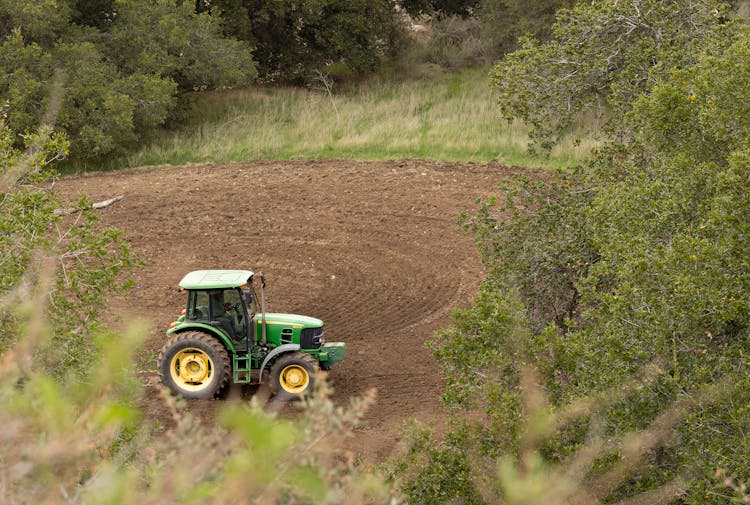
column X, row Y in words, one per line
column 372, row 248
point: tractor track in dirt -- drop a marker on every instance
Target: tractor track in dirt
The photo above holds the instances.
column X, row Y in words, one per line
column 372, row 248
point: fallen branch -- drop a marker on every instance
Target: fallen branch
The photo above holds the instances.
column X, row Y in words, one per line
column 97, row 205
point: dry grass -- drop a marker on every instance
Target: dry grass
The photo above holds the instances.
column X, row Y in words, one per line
column 450, row 117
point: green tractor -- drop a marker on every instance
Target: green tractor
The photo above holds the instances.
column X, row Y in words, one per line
column 224, row 333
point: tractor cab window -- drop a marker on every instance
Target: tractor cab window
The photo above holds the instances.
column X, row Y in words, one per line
column 197, row 309
column 223, row 309
column 227, row 311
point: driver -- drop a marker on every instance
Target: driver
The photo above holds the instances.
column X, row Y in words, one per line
column 221, row 311
column 235, row 314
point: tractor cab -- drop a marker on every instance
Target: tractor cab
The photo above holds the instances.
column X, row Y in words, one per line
column 224, row 300
column 227, row 309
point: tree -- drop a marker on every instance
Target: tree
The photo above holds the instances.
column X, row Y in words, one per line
column 637, row 261
column 126, row 61
column 444, row 8
column 504, row 22
column 601, row 57
column 168, row 39
column 294, row 38
column 90, row 261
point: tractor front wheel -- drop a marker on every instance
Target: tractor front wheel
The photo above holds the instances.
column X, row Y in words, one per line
column 293, row 375
column 194, row 365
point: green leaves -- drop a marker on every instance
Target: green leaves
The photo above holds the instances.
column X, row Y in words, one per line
column 90, row 260
column 483, row 349
column 168, row 39
column 603, row 55
column 639, row 259
column 122, row 68
column 293, row 39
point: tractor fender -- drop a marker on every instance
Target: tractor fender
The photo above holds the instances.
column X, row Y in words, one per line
column 206, row 328
column 276, row 351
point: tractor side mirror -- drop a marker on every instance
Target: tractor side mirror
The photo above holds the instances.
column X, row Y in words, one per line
column 262, row 280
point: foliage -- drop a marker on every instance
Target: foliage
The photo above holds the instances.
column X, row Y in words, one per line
column 601, row 56
column 294, row 38
column 504, row 22
column 171, row 40
column 549, row 250
column 463, row 8
column 639, row 259
column 478, row 34
column 89, row 259
column 452, row 42
column 465, row 468
column 123, row 63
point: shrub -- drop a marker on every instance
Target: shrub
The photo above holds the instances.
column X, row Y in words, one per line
column 452, row 42
column 639, row 258
column 604, row 54
column 90, row 260
column 505, row 22
column 293, row 39
column 122, row 69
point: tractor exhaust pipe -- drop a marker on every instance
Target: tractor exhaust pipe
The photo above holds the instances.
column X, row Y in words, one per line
column 262, row 311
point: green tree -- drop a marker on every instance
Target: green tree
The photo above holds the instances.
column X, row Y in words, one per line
column 440, row 7
column 638, row 259
column 601, row 57
column 168, row 39
column 99, row 14
column 504, row 22
column 91, row 261
column 292, row 39
column 126, row 61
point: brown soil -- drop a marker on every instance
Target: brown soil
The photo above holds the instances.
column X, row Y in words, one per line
column 372, row 248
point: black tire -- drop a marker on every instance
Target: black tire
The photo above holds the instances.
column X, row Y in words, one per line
column 293, row 375
column 194, row 365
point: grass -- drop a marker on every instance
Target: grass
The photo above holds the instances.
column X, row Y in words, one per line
column 450, row 117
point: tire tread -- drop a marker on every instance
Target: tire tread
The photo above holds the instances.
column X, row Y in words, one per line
column 284, row 360
column 206, row 339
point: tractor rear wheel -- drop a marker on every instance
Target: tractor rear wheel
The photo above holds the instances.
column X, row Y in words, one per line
column 293, row 375
column 194, row 365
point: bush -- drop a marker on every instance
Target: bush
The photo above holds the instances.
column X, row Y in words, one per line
column 505, row 22
column 122, row 69
column 441, row 8
column 604, row 55
column 293, row 39
column 638, row 259
column 451, row 42
column 89, row 260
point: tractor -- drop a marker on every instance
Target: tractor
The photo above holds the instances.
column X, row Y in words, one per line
column 225, row 334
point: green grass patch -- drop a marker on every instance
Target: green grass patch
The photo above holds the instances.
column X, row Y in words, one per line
column 451, row 117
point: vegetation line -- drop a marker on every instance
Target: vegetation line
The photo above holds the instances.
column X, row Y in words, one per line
column 451, row 118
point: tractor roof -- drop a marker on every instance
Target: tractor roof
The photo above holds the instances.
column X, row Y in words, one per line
column 215, row 279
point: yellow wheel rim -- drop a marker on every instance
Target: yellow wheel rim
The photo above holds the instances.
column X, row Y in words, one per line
column 294, row 379
column 191, row 369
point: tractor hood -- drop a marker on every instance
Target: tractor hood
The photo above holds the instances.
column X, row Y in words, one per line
column 289, row 320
